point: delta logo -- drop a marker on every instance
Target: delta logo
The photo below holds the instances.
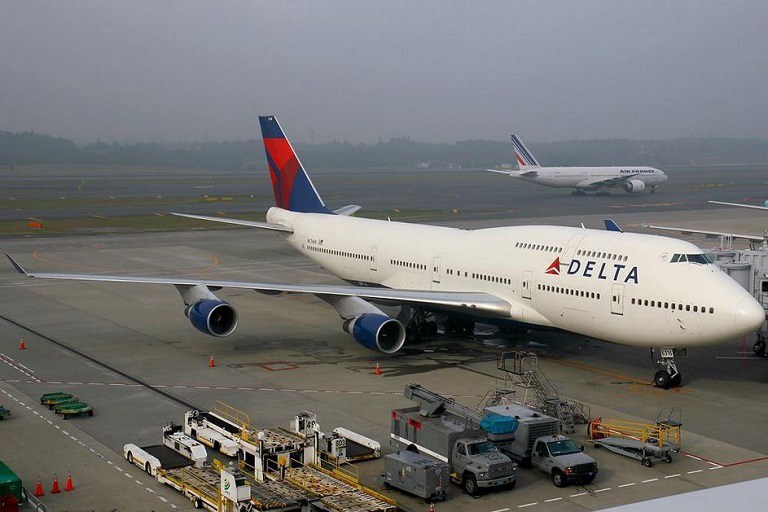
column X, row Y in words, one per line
column 554, row 267
column 615, row 271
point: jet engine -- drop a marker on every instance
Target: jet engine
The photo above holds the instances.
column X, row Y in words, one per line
column 213, row 317
column 633, row 186
column 377, row 332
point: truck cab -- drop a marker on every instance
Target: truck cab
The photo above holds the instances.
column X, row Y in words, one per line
column 563, row 460
column 478, row 464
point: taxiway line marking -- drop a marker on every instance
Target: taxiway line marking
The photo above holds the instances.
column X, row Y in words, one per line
column 673, row 476
column 627, row 485
column 528, row 504
column 550, row 500
column 650, row 480
column 578, row 494
column 500, row 510
column 695, row 471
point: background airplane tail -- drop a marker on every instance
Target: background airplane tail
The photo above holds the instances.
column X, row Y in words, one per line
column 293, row 189
column 525, row 158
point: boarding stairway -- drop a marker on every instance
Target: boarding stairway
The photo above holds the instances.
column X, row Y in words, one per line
column 520, row 370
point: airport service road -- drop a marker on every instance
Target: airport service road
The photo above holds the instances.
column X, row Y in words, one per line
column 57, row 193
column 290, row 354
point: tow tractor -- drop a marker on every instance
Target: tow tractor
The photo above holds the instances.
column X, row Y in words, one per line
column 647, row 442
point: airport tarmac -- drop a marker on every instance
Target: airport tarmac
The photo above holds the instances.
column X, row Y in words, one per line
column 48, row 192
column 129, row 351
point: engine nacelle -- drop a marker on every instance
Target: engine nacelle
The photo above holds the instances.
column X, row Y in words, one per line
column 213, row 317
column 377, row 332
column 633, row 186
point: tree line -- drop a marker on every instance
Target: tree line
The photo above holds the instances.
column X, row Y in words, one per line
column 32, row 148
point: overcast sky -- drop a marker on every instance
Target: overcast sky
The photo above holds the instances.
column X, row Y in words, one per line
column 441, row 71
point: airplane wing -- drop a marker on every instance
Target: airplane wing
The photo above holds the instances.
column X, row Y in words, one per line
column 238, row 222
column 596, row 183
column 709, row 234
column 350, row 209
column 482, row 304
column 741, row 205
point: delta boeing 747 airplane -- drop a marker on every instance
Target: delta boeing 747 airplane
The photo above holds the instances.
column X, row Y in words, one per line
column 625, row 288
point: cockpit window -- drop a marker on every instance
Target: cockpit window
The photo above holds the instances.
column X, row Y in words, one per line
column 699, row 259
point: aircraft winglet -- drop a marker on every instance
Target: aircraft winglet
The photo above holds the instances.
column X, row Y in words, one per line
column 16, row 265
column 610, row 225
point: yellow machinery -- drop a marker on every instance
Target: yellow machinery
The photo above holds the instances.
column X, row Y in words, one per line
column 646, row 442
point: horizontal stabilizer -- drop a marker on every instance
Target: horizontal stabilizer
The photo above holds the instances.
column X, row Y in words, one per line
column 239, row 222
column 350, row 209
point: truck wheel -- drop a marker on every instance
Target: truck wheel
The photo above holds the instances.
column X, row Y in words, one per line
column 412, row 448
column 647, row 463
column 558, row 478
column 512, row 485
column 387, row 486
column 90, row 413
column 668, row 458
column 216, row 445
column 588, row 480
column 148, row 468
column 198, row 503
column 470, row 485
column 130, row 458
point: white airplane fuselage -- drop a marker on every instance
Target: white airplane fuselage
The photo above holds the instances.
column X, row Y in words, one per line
column 618, row 287
column 588, row 178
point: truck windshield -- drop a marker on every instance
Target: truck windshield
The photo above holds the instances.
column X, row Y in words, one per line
column 483, row 447
column 564, row 447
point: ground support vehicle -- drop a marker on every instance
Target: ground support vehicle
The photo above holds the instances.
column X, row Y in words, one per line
column 53, row 399
column 10, row 483
column 155, row 457
column 416, row 474
column 200, row 485
column 350, row 446
column 559, row 457
column 647, row 442
column 4, row 413
column 533, row 441
column 73, row 408
column 178, row 441
column 443, row 429
column 337, row 492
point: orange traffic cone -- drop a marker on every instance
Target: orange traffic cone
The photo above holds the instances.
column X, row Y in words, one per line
column 22, row 346
column 211, row 363
column 55, row 489
column 378, row 369
column 39, row 488
column 69, row 486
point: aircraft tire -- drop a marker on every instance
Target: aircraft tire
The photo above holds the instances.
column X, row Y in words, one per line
column 662, row 379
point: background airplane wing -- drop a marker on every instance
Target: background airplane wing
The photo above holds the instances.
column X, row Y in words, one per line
column 741, row 205
column 709, row 234
column 595, row 183
column 483, row 304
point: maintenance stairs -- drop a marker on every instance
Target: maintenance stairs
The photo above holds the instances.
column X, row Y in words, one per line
column 520, row 370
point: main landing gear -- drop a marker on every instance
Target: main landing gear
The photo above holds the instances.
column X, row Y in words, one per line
column 419, row 324
column 667, row 375
column 759, row 346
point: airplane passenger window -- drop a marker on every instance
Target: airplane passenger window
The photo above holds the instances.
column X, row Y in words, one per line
column 688, row 307
column 711, row 310
column 695, row 309
column 653, row 303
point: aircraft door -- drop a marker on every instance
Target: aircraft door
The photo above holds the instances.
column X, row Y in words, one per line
column 526, row 291
column 437, row 269
column 617, row 299
column 373, row 253
column 570, row 249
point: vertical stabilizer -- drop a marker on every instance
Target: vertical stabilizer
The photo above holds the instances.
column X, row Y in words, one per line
column 524, row 157
column 293, row 189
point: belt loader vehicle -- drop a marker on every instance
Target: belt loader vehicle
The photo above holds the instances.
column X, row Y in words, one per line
column 532, row 440
column 443, row 429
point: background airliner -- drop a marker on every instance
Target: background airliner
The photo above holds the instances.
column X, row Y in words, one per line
column 626, row 288
column 632, row 179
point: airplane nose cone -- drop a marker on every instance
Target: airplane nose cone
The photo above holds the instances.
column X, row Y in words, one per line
column 748, row 316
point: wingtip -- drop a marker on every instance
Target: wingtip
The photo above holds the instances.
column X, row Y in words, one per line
column 16, row 265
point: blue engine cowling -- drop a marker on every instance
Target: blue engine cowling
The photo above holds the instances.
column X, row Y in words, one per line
column 377, row 332
column 213, row 317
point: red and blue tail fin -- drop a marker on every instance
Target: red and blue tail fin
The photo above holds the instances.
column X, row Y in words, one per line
column 293, row 189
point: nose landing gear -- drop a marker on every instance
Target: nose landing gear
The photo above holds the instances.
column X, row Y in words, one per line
column 667, row 375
